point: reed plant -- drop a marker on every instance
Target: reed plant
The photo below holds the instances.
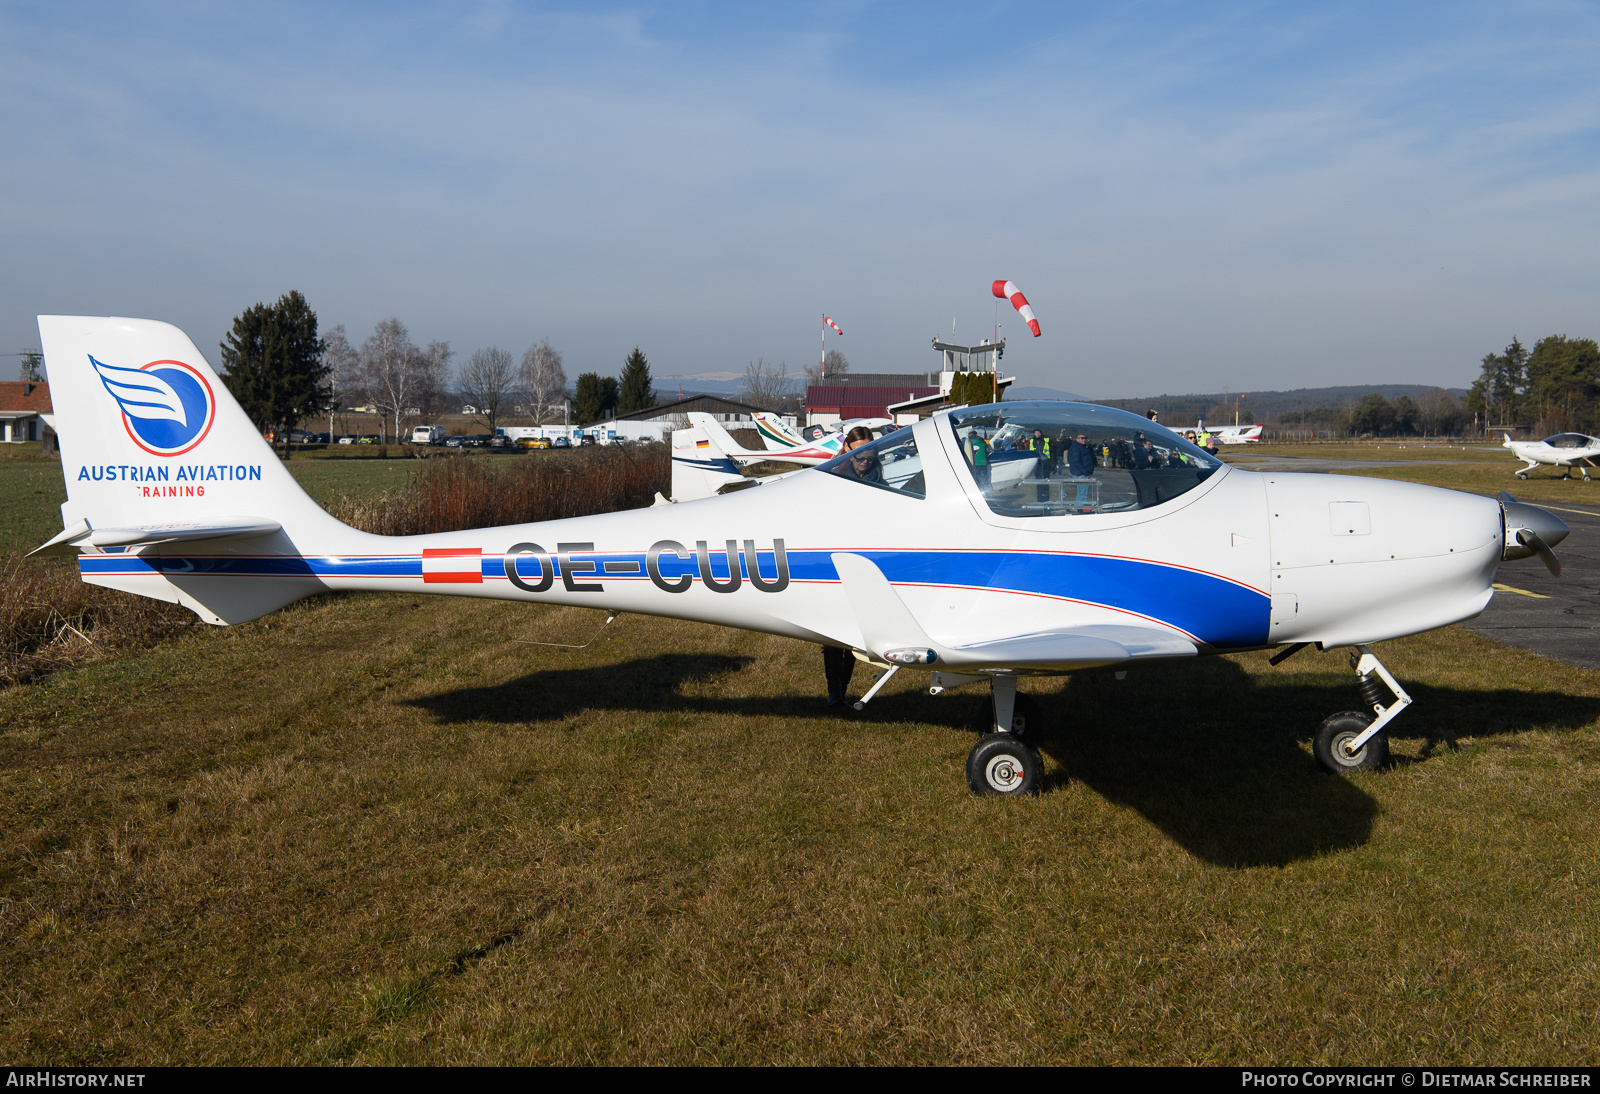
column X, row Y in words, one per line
column 471, row 491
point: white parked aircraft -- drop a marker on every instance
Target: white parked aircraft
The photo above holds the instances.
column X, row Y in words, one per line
column 1567, row 450
column 911, row 550
column 777, row 435
column 1232, row 434
column 807, row 453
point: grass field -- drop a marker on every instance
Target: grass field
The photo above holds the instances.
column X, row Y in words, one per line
column 442, row 845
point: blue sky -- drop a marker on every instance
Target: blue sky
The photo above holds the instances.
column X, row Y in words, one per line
column 1193, row 196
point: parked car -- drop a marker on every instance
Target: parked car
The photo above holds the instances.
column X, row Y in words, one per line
column 322, row 438
column 587, row 439
column 562, row 442
column 455, row 442
column 533, row 442
column 499, row 440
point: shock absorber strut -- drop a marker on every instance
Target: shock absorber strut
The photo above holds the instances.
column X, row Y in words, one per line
column 1374, row 680
column 1373, row 693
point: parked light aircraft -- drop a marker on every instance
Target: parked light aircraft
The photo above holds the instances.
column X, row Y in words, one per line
column 776, row 435
column 1232, row 434
column 1567, row 450
column 908, row 550
column 807, row 453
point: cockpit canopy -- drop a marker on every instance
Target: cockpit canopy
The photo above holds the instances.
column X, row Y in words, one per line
column 1572, row 440
column 1060, row 459
column 1044, row 459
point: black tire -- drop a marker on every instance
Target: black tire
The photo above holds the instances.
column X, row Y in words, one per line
column 1328, row 744
column 1003, row 766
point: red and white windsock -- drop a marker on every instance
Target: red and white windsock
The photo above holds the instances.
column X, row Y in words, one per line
column 831, row 323
column 1005, row 290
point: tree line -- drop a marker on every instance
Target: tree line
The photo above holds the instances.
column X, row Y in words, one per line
column 1553, row 388
column 1434, row 413
column 285, row 374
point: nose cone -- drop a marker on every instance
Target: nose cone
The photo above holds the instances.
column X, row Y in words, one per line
column 1520, row 516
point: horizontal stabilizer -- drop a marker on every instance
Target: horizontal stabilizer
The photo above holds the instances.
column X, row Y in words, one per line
column 81, row 535
column 887, row 624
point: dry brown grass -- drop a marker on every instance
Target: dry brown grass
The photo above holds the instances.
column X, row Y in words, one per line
column 457, row 492
column 50, row 619
column 445, row 847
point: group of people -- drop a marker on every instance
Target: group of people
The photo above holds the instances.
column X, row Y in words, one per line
column 1074, row 455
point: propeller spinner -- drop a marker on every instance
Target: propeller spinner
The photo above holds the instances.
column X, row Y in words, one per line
column 1531, row 531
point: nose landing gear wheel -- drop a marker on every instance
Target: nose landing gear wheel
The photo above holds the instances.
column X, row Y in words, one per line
column 1331, row 745
column 1000, row 764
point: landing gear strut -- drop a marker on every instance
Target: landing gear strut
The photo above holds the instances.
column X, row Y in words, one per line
column 1354, row 740
column 1002, row 762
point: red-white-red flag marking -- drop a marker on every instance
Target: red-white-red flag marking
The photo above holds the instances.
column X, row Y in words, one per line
column 452, row 566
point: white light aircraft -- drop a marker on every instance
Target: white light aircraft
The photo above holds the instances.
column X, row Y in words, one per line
column 777, row 435
column 808, row 453
column 911, row 550
column 1567, row 450
column 1232, row 434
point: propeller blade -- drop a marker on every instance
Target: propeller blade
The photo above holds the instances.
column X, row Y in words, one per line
column 1529, row 538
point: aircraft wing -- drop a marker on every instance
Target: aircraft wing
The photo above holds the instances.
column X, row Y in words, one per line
column 887, row 624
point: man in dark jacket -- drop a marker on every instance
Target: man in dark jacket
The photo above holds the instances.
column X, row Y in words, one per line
column 1081, row 463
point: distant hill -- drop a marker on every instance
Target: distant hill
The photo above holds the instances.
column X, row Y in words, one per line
column 1266, row 406
column 1031, row 394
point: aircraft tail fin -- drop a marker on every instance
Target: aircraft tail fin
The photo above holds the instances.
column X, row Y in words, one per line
column 155, row 450
column 774, row 434
column 719, row 436
column 700, row 468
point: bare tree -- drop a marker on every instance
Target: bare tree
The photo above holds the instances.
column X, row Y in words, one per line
column 765, row 385
column 1440, row 411
column 488, row 382
column 341, row 361
column 433, row 381
column 543, row 380
column 391, row 367
column 833, row 364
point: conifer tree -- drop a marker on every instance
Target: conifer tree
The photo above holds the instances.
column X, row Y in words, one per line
column 588, row 400
column 635, row 392
column 272, row 363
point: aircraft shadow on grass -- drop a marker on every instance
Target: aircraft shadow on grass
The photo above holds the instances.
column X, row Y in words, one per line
column 1199, row 748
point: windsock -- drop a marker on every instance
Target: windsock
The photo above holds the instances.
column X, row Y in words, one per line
column 1005, row 290
column 831, row 323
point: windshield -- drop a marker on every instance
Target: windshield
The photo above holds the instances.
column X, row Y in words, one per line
column 1058, row 459
column 891, row 462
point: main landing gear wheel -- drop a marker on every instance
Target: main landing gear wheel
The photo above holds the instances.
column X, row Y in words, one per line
column 1331, row 745
column 1000, row 764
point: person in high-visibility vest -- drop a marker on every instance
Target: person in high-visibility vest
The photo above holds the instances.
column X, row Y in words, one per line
column 1039, row 445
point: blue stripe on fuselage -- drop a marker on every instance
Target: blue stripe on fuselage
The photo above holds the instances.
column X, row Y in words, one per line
column 1217, row 611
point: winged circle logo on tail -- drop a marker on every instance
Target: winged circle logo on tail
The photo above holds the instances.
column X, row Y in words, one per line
column 167, row 406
